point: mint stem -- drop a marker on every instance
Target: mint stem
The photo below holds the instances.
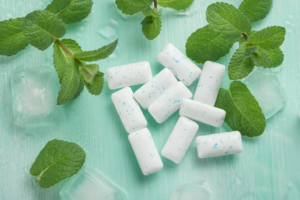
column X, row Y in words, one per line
column 245, row 36
column 155, row 4
column 68, row 51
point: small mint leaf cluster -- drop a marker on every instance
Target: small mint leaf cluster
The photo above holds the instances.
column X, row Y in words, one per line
column 42, row 28
column 228, row 25
column 151, row 25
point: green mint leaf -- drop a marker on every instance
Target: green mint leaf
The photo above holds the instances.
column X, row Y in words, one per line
column 72, row 45
column 151, row 12
column 276, row 56
column 130, row 7
column 250, row 50
column 140, row 2
column 57, row 161
column 42, row 27
column 99, row 54
column 148, row 20
column 240, row 66
column 61, row 58
column 80, row 88
column 152, row 31
column 98, row 84
column 12, row 39
column 205, row 44
column 88, row 72
column 268, row 38
column 227, row 20
column 261, row 58
column 70, row 83
column 70, row 11
column 255, row 9
column 243, row 112
column 175, row 4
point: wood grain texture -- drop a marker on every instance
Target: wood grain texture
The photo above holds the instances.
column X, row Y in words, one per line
column 267, row 169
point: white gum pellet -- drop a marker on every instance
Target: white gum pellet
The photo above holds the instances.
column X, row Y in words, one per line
column 221, row 144
column 145, row 151
column 209, row 83
column 128, row 75
column 169, row 103
column 128, row 109
column 183, row 68
column 180, row 139
column 155, row 88
column 202, row 112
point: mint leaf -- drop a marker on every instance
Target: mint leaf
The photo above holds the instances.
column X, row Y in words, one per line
column 57, row 161
column 131, row 8
column 250, row 50
column 151, row 12
column 99, row 54
column 205, row 44
column 140, row 2
column 240, row 66
column 88, row 72
column 70, row 11
column 151, row 31
column 42, row 27
column 80, row 88
column 61, row 58
column 12, row 39
column 227, row 20
column 98, row 84
column 70, row 83
column 147, row 21
column 276, row 56
column 72, row 45
column 175, row 4
column 268, row 38
column 261, row 58
column 243, row 112
column 255, row 9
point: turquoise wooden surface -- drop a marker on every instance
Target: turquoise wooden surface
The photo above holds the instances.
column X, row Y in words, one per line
column 267, row 169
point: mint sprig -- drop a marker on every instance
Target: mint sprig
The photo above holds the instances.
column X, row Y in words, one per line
column 152, row 23
column 42, row 28
column 256, row 48
column 56, row 161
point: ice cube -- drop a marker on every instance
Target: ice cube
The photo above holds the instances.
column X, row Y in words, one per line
column 191, row 191
column 90, row 184
column 34, row 92
column 267, row 90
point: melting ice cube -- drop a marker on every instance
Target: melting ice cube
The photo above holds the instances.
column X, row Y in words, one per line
column 34, row 94
column 191, row 191
column 90, row 184
column 267, row 90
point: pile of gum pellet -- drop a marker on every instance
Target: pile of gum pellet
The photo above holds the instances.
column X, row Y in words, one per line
column 163, row 95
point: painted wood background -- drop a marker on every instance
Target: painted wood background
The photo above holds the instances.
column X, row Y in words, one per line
column 267, row 169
